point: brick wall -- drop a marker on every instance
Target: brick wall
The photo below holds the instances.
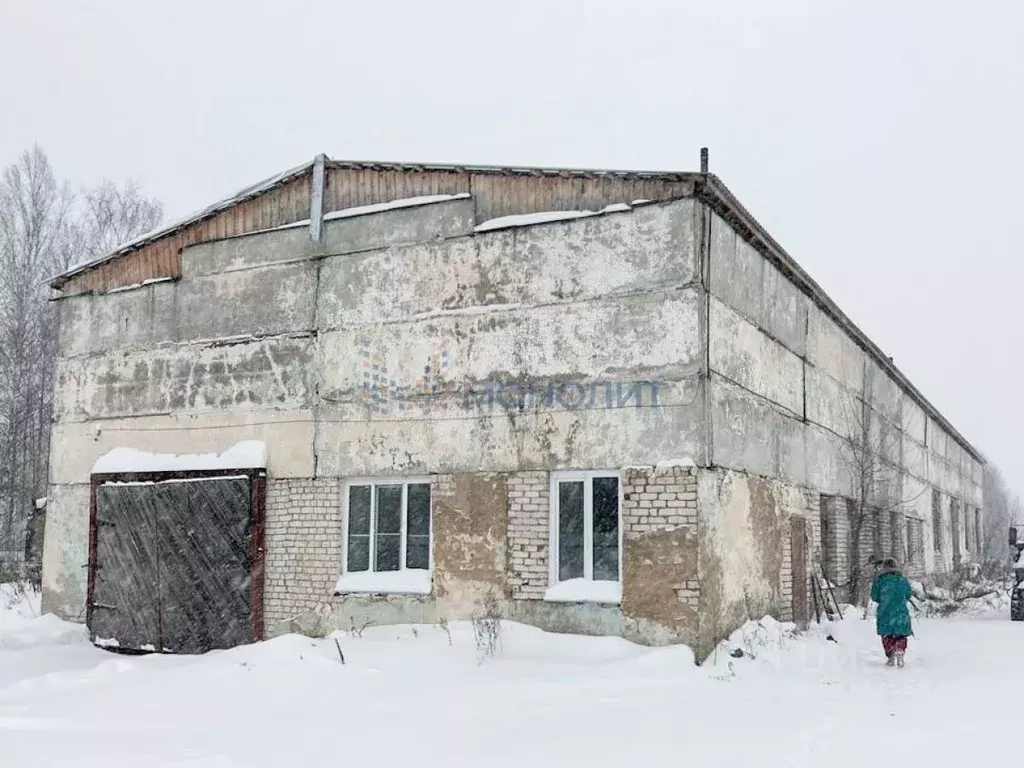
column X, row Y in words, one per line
column 836, row 540
column 810, row 511
column 303, row 545
column 529, row 513
column 662, row 500
column 915, row 547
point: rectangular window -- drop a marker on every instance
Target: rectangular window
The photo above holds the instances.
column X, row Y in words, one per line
column 387, row 537
column 915, row 542
column 977, row 527
column 586, row 526
column 896, row 549
column 876, row 534
column 937, row 520
column 911, row 551
column 968, row 530
column 827, row 545
column 954, row 527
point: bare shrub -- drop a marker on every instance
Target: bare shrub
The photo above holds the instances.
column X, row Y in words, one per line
column 950, row 592
column 356, row 630
column 487, row 627
column 443, row 624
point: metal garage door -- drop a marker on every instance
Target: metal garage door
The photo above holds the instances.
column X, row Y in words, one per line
column 176, row 563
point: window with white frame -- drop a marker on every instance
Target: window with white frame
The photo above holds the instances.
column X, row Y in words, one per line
column 387, row 536
column 586, row 529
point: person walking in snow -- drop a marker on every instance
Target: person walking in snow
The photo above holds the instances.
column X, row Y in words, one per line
column 891, row 591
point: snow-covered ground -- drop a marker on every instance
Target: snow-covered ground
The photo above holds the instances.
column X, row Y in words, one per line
column 411, row 696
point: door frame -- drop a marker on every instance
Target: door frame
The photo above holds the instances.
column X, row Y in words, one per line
column 799, row 588
column 257, row 520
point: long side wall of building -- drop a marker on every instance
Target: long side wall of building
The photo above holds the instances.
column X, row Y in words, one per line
column 790, row 395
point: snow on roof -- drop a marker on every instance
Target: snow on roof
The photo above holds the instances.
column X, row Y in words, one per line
column 248, row 454
column 543, row 217
column 364, row 210
column 407, row 202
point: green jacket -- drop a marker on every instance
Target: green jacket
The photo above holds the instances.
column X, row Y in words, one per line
column 891, row 591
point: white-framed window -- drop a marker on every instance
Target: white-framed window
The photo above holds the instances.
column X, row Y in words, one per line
column 387, row 536
column 586, row 537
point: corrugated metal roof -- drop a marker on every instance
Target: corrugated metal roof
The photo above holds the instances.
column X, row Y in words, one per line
column 500, row 170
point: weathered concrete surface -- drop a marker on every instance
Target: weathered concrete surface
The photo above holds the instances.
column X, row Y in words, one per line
column 492, row 438
column 239, row 303
column 750, row 434
column 655, row 565
column 774, row 354
column 134, row 318
column 288, row 436
column 470, row 528
column 626, row 338
column 833, row 352
column 742, row 280
column 384, row 229
column 268, row 373
column 744, row 354
column 215, row 306
column 66, row 551
column 608, row 255
column 744, row 522
column 358, row 611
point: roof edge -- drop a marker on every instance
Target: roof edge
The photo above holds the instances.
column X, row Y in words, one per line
column 712, row 190
column 244, row 194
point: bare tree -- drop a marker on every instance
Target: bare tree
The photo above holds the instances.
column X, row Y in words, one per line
column 34, row 209
column 43, row 231
column 112, row 215
column 872, row 455
column 1002, row 509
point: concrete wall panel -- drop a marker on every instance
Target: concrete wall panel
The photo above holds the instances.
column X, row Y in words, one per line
column 288, row 436
column 489, row 438
column 737, row 272
column 400, row 226
column 784, row 313
column 745, row 355
column 66, row 551
column 744, row 533
column 831, row 405
column 914, row 421
column 641, row 337
column 425, row 223
column 270, row 373
column 831, row 350
column 753, row 436
column 619, row 253
column 254, row 302
column 915, row 458
column 652, row 246
column 885, row 395
column 830, row 466
column 91, row 323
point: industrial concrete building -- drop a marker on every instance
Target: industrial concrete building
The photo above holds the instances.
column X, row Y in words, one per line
column 610, row 399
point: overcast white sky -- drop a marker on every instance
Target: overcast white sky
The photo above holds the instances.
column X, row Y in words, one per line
column 879, row 142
